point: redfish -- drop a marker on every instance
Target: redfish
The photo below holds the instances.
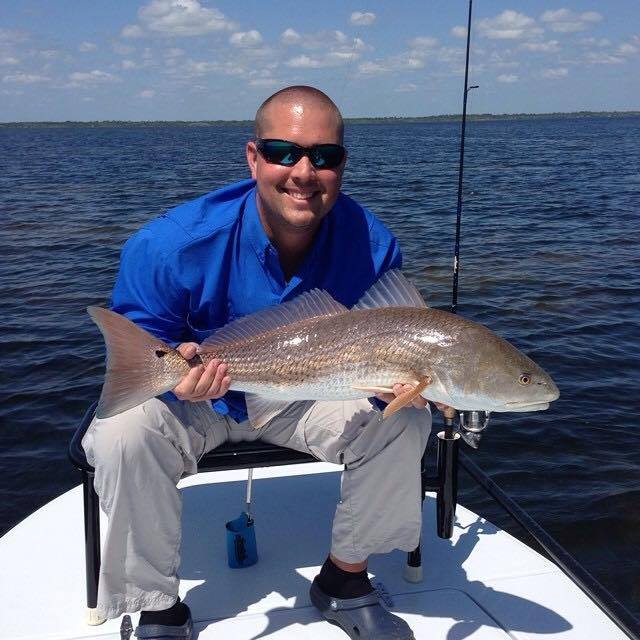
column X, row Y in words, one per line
column 314, row 348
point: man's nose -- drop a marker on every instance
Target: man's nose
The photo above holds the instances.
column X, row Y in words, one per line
column 303, row 169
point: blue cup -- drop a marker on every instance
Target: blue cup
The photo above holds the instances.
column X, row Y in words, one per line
column 241, row 542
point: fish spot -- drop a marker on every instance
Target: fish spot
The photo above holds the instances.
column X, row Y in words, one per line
column 160, row 353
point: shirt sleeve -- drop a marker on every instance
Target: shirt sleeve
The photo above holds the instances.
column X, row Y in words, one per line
column 392, row 258
column 146, row 290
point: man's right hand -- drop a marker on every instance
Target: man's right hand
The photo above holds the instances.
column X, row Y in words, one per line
column 201, row 383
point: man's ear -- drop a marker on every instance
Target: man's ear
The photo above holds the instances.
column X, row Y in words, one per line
column 252, row 157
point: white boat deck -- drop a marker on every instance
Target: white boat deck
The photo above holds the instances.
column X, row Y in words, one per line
column 482, row 584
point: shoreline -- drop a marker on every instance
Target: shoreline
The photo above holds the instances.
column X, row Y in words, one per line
column 359, row 120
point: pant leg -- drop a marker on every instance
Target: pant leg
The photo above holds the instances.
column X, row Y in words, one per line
column 138, row 457
column 380, row 506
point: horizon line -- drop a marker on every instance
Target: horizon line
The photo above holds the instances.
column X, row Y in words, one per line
column 352, row 119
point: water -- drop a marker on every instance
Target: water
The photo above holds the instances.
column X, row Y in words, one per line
column 550, row 260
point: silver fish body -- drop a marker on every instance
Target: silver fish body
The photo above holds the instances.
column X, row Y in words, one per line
column 314, row 348
column 336, row 357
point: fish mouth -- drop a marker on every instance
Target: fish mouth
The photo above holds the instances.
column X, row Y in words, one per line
column 521, row 407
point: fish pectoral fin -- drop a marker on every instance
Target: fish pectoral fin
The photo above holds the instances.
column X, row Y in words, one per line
column 260, row 409
column 371, row 389
column 405, row 398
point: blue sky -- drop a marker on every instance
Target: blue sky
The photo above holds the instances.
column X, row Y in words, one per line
column 205, row 59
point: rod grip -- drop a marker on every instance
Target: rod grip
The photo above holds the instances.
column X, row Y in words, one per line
column 447, row 494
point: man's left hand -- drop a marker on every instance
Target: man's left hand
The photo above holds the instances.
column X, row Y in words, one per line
column 418, row 402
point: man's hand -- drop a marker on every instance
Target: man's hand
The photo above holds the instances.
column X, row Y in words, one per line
column 418, row 402
column 201, row 383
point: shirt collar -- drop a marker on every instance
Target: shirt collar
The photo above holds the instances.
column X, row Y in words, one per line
column 263, row 247
column 255, row 231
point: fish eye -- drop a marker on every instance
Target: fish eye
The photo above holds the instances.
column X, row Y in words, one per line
column 524, row 379
column 161, row 353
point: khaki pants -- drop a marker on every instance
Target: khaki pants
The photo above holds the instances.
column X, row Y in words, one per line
column 140, row 455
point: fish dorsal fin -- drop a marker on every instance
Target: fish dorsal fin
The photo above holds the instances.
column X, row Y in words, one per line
column 311, row 304
column 391, row 290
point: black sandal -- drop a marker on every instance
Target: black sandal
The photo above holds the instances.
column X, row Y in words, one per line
column 362, row 618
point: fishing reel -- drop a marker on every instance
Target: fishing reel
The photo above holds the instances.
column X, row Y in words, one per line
column 471, row 425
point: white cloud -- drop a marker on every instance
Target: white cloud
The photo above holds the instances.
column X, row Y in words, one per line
column 602, row 57
column 8, row 60
column 459, row 31
column 555, row 74
column 371, row 68
column 548, row 46
column 246, row 39
column 423, row 43
column 508, row 77
column 408, row 87
column 122, row 49
column 330, row 40
column 129, row 64
column 174, row 52
column 290, row 36
column 413, row 58
column 91, row 77
column 182, row 18
column 88, row 99
column 566, row 21
column 87, row 46
column 7, row 36
column 194, row 68
column 331, row 59
column 264, row 82
column 25, row 78
column 595, row 42
column 628, row 48
column 304, row 62
column 508, row 25
column 131, row 31
column 325, row 48
column 406, row 61
column 147, row 94
column 49, row 54
column 362, row 18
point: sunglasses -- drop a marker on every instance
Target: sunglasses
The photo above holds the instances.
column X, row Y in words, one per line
column 285, row 153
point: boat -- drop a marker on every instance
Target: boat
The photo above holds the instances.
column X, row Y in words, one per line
column 482, row 583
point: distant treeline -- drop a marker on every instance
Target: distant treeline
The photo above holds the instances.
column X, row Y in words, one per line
column 372, row 120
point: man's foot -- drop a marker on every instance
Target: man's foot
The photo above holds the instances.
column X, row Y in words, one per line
column 170, row 624
column 348, row 600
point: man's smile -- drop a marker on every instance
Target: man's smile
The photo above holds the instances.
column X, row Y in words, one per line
column 299, row 194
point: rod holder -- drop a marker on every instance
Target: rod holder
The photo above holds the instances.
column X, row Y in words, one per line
column 447, row 494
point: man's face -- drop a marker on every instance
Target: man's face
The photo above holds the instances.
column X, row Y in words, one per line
column 295, row 199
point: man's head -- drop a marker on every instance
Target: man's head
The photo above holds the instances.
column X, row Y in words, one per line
column 295, row 198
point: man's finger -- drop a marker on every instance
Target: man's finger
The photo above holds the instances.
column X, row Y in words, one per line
column 216, row 387
column 184, row 389
column 187, row 349
column 206, row 379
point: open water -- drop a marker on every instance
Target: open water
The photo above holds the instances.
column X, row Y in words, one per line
column 550, row 260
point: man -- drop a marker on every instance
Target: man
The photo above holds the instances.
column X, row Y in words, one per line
column 202, row 264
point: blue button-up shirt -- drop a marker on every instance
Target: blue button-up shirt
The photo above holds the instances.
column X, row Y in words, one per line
column 208, row 261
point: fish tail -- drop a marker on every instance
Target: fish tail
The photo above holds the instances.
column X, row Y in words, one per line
column 139, row 366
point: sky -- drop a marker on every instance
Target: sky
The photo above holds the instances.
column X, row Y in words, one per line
column 219, row 59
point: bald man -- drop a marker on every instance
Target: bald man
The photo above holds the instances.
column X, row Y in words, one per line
column 201, row 265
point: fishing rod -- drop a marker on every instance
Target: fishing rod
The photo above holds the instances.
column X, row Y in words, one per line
column 467, row 88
